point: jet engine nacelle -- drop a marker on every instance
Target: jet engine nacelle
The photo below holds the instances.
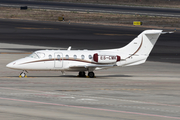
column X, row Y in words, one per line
column 106, row 58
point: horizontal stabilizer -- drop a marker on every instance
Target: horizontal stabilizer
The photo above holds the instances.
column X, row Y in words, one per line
column 168, row 32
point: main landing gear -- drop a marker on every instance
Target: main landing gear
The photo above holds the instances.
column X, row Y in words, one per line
column 83, row 74
column 23, row 74
column 91, row 74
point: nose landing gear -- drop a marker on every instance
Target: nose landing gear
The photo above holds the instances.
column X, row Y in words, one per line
column 23, row 74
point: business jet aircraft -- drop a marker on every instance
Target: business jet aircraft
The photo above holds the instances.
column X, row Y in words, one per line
column 135, row 53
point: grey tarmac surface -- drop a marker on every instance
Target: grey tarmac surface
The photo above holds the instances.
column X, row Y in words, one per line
column 148, row 91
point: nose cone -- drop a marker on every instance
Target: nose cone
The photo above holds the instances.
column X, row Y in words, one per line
column 11, row 65
column 18, row 64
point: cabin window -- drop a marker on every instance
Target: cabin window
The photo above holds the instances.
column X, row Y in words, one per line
column 50, row 56
column 90, row 56
column 40, row 54
column 58, row 57
column 75, row 56
column 67, row 56
column 82, row 57
column 33, row 55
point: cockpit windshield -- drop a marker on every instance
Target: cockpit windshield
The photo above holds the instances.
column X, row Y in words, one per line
column 37, row 55
column 40, row 54
column 33, row 55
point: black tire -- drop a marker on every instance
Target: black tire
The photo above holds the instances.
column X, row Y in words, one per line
column 82, row 74
column 91, row 74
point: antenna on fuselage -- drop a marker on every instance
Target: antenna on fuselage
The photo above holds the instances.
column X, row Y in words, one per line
column 69, row 48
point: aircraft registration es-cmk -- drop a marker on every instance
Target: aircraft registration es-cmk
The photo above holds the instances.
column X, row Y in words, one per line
column 135, row 53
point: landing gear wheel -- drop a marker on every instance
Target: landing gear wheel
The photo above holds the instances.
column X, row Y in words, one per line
column 22, row 75
column 91, row 74
column 82, row 74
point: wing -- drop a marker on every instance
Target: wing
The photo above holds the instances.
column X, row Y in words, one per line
column 91, row 66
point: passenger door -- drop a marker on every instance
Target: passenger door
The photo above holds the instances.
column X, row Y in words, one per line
column 58, row 60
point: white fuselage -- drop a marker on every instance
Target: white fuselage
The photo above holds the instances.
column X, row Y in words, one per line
column 62, row 60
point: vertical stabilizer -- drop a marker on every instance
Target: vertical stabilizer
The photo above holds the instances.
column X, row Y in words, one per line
column 138, row 50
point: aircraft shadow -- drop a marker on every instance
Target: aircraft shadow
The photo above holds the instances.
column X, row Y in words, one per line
column 70, row 76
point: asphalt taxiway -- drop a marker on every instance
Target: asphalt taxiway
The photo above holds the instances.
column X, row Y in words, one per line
column 93, row 7
column 148, row 91
column 81, row 36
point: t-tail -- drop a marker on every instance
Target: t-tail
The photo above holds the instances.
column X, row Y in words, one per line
column 138, row 50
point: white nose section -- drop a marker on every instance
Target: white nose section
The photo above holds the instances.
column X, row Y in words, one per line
column 11, row 65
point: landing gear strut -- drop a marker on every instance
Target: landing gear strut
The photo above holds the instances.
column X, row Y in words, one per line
column 82, row 74
column 91, row 74
column 23, row 74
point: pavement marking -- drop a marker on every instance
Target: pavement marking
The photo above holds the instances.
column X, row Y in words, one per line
column 84, row 99
column 15, row 52
column 121, row 89
column 29, row 28
column 114, row 34
column 89, row 108
column 17, row 77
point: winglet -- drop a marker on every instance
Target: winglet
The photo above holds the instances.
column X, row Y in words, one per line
column 69, row 48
